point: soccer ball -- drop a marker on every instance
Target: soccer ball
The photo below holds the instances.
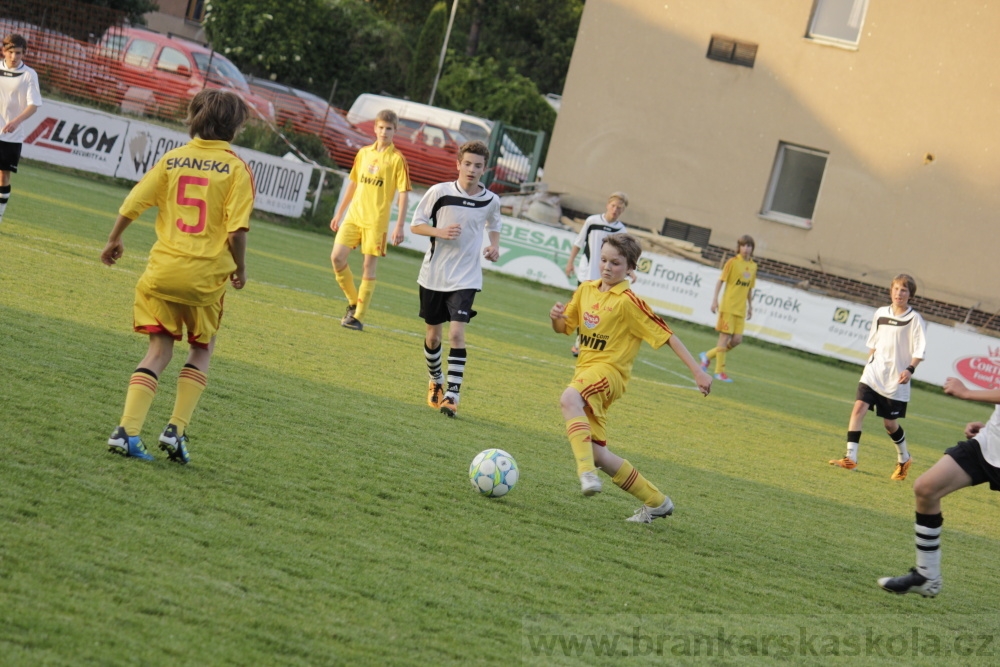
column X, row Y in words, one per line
column 493, row 472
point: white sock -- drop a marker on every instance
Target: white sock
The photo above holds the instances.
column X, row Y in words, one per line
column 852, row 451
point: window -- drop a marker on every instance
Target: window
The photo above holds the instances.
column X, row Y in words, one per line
column 171, row 60
column 794, row 187
column 195, row 11
column 733, row 51
column 139, row 53
column 838, row 21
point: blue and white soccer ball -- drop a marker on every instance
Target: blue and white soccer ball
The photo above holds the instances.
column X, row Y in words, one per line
column 493, row 472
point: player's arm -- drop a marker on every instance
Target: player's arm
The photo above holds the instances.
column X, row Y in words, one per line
column 397, row 231
column 450, row 232
column 715, row 296
column 558, row 316
column 344, row 203
column 701, row 378
column 28, row 112
column 749, row 303
column 238, row 248
column 114, row 249
column 492, row 251
column 572, row 259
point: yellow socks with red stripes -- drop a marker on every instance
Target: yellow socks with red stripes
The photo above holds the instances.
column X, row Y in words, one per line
column 190, row 386
column 578, row 432
column 364, row 298
column 628, row 479
column 138, row 399
column 346, row 281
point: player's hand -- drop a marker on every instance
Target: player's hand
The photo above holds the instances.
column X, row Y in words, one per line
column 558, row 311
column 397, row 236
column 904, row 377
column 238, row 279
column 10, row 127
column 704, row 382
column 715, row 306
column 451, row 232
column 112, row 252
column 491, row 253
column 335, row 223
column 954, row 387
column 973, row 428
column 569, row 270
column 749, row 311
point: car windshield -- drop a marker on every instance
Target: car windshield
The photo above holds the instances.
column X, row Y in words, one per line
column 222, row 69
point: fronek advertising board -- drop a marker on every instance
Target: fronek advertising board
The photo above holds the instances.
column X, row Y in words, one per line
column 106, row 144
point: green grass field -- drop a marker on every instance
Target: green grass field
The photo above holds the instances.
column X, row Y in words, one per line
column 326, row 517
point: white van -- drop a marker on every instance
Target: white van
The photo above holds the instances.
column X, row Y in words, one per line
column 471, row 127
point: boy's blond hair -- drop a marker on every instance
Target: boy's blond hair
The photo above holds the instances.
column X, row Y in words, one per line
column 476, row 148
column 746, row 239
column 621, row 196
column 216, row 115
column 908, row 280
column 388, row 116
column 627, row 245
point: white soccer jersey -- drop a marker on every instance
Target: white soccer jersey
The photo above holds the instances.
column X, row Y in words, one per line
column 589, row 241
column 454, row 264
column 989, row 439
column 18, row 89
column 896, row 340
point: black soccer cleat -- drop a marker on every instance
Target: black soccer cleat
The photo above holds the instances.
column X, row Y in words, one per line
column 914, row 582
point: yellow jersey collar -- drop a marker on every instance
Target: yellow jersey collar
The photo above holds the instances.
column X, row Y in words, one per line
column 210, row 143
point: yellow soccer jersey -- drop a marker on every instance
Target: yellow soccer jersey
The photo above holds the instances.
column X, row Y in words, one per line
column 379, row 176
column 612, row 325
column 740, row 277
column 203, row 191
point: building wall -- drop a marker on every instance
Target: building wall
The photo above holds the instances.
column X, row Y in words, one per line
column 170, row 18
column 695, row 140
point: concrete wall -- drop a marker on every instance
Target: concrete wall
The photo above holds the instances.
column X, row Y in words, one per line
column 695, row 140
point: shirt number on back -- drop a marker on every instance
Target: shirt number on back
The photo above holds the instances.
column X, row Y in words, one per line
column 200, row 204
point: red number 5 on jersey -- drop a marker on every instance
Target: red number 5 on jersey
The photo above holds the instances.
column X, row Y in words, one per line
column 201, row 205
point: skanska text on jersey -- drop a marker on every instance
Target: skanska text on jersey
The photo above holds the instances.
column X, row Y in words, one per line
column 195, row 163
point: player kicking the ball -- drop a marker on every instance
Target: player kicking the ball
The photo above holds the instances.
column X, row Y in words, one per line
column 454, row 215
column 613, row 322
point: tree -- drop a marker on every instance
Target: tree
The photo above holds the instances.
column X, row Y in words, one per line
column 483, row 87
column 134, row 9
column 311, row 44
column 427, row 54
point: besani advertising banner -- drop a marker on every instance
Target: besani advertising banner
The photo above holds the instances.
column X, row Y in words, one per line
column 106, row 144
column 682, row 290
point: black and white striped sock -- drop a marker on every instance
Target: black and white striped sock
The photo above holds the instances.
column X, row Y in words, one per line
column 433, row 358
column 928, row 539
column 4, row 196
column 456, row 372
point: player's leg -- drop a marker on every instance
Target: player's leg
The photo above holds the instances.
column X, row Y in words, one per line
column 655, row 504
column 348, row 237
column 579, row 434
column 863, row 400
column 4, row 191
column 459, row 312
column 721, row 347
column 125, row 439
column 946, row 476
column 903, row 458
column 457, row 357
column 432, row 355
column 367, row 288
column 10, row 156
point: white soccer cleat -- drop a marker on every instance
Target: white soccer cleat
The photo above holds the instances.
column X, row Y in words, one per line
column 646, row 514
column 590, row 483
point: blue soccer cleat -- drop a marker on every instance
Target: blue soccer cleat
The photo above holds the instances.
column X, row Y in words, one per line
column 122, row 443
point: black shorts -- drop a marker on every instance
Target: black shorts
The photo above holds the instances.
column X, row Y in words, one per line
column 441, row 307
column 886, row 408
column 10, row 155
column 968, row 454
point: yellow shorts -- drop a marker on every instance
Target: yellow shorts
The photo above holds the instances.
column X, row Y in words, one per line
column 153, row 315
column 600, row 385
column 730, row 324
column 372, row 241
